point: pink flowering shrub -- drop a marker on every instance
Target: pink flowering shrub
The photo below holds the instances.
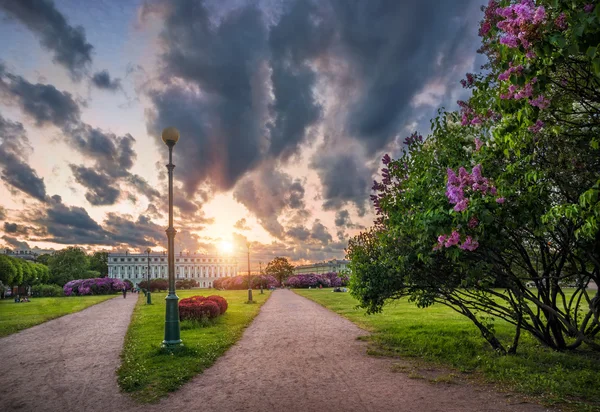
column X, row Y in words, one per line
column 241, row 282
column 198, row 308
column 330, row 279
column 94, row 286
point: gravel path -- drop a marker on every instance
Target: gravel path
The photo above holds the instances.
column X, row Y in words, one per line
column 295, row 356
column 299, row 356
column 66, row 364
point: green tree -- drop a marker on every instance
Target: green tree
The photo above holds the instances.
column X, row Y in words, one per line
column 7, row 270
column 44, row 259
column 99, row 263
column 68, row 264
column 280, row 268
column 504, row 192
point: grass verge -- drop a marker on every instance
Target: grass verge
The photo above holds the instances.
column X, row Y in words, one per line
column 149, row 373
column 18, row 316
column 439, row 335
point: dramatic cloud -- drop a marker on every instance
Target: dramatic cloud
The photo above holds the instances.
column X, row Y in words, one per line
column 102, row 80
column 345, row 179
column 99, row 185
column 241, row 224
column 11, row 227
column 320, row 233
column 298, row 233
column 68, row 43
column 15, row 243
column 2, row 213
column 267, row 193
column 139, row 233
column 16, row 173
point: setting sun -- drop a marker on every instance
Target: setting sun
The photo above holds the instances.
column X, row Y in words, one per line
column 226, row 247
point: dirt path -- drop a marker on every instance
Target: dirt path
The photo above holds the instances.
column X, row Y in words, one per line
column 298, row 356
column 66, row 364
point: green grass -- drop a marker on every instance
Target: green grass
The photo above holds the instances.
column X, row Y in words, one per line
column 441, row 336
column 18, row 316
column 149, row 372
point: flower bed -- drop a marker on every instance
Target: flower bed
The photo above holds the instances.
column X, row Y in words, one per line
column 330, row 279
column 201, row 307
column 94, row 286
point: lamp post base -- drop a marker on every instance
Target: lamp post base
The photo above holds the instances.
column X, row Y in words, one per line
column 172, row 338
column 249, row 295
column 148, row 298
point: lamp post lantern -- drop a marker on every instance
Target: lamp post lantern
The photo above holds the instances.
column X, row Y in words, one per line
column 148, row 297
column 172, row 332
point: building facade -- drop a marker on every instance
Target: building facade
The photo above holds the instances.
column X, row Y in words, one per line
column 334, row 265
column 202, row 268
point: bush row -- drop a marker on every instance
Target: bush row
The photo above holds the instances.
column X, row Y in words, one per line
column 241, row 282
column 96, row 286
column 330, row 279
column 201, row 307
column 46, row 291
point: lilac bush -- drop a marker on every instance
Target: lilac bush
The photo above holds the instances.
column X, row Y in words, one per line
column 330, row 279
column 94, row 286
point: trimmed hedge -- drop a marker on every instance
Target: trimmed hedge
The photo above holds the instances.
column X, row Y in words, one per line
column 221, row 301
column 96, row 286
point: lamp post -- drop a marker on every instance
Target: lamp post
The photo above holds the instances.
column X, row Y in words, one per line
column 148, row 297
column 249, row 278
column 172, row 333
column 261, row 278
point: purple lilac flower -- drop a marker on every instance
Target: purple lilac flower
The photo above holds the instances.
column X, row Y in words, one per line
column 473, row 222
column 500, row 200
column 453, row 239
column 469, row 244
column 541, row 102
column 561, row 21
column 536, row 127
column 588, row 8
column 478, row 144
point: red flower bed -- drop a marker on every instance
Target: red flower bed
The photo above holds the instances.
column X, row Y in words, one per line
column 219, row 300
column 198, row 307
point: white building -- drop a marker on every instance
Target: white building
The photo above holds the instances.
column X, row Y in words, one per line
column 334, row 265
column 202, row 268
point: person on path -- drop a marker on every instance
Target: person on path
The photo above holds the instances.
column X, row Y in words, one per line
column 124, row 292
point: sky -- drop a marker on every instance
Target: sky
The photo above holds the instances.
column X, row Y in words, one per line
column 284, row 107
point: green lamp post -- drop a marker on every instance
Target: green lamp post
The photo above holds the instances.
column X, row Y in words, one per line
column 170, row 136
column 148, row 296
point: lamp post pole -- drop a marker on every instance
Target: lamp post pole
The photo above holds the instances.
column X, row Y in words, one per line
column 172, row 332
column 249, row 278
column 148, row 297
column 261, row 278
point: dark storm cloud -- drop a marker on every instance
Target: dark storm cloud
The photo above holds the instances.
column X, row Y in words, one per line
column 11, row 227
column 42, row 102
column 221, row 127
column 143, row 187
column 298, row 233
column 103, row 81
column 100, row 189
column 139, row 233
column 345, row 179
column 68, row 43
column 15, row 243
column 320, row 233
column 268, row 193
column 302, row 34
column 342, row 217
column 2, row 213
column 16, row 173
column 392, row 47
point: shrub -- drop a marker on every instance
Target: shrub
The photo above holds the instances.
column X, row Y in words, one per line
column 241, row 282
column 95, row 286
column 46, row 291
column 186, row 284
column 219, row 300
column 197, row 308
column 330, row 279
column 155, row 284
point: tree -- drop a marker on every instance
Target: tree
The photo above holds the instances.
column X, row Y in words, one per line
column 68, row 264
column 505, row 192
column 43, row 259
column 7, row 271
column 99, row 263
column 279, row 268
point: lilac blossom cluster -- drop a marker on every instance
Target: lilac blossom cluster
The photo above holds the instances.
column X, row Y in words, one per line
column 520, row 22
column 454, row 240
column 460, row 185
column 94, row 286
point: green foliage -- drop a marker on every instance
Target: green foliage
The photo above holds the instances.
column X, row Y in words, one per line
column 68, row 264
column 8, row 271
column 18, row 316
column 150, row 373
column 280, row 268
column 524, row 207
column 46, row 291
column 440, row 335
column 44, row 259
column 99, row 263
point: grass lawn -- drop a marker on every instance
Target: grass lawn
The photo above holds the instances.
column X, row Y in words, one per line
column 438, row 334
column 149, row 372
column 18, row 316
